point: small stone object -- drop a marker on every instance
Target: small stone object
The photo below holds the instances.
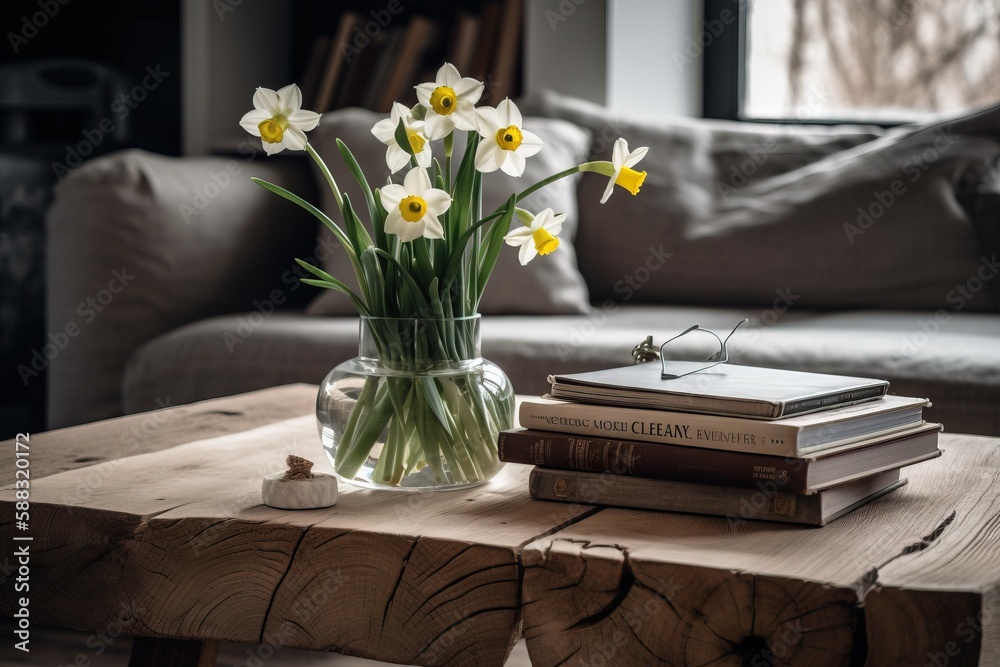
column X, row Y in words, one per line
column 298, row 488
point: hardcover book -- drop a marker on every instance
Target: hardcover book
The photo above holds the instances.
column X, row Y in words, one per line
column 793, row 436
column 816, row 509
column 710, row 466
column 726, row 389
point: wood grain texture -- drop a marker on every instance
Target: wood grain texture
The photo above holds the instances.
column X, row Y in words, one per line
column 687, row 590
column 88, row 444
column 175, row 543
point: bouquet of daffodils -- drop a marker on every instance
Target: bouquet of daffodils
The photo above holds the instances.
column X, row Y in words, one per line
column 427, row 255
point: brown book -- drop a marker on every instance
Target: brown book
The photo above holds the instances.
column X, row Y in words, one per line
column 354, row 91
column 736, row 504
column 383, row 69
column 708, row 466
column 506, row 52
column 340, row 54
column 314, row 68
column 418, row 36
column 463, row 42
column 489, row 25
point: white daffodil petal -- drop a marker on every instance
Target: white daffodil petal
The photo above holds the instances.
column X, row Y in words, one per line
column 464, row 117
column 267, row 99
column 294, row 138
column 271, row 149
column 619, row 153
column 398, row 111
column 396, row 158
column 407, row 231
column 527, row 253
column 448, row 75
column 252, row 119
column 424, row 157
column 469, row 89
column 513, row 165
column 519, row 236
column 541, row 218
column 554, row 221
column 391, row 195
column 608, row 190
column 437, row 126
column 635, row 156
column 489, row 122
column 486, row 159
column 385, row 131
column 424, row 91
column 394, row 223
column 438, row 201
column 509, row 114
column 290, row 99
column 304, row 120
column 530, row 144
column 432, row 227
column 416, row 182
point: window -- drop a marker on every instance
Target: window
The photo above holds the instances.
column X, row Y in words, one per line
column 855, row 60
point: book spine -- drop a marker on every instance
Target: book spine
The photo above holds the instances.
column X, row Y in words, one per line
column 673, row 428
column 837, row 399
column 737, row 505
column 656, row 461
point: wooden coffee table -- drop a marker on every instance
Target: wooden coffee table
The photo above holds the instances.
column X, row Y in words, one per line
column 152, row 523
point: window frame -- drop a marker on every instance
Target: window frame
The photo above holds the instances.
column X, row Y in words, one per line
column 724, row 74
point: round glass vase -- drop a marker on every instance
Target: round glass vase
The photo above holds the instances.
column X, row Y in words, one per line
column 417, row 409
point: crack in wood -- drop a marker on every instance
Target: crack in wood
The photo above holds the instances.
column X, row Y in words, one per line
column 399, row 580
column 277, row 588
column 625, row 581
column 864, row 584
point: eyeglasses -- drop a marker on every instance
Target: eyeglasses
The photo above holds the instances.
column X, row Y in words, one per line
column 701, row 350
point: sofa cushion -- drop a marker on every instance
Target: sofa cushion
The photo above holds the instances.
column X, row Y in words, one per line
column 844, row 217
column 550, row 284
column 951, row 358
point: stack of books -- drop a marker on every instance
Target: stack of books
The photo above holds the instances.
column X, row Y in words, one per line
column 736, row 441
column 373, row 59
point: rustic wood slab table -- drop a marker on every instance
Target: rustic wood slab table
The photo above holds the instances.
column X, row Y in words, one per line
column 153, row 523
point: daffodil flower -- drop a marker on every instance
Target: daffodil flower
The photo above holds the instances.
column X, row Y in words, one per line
column 395, row 156
column 537, row 236
column 450, row 102
column 625, row 175
column 279, row 120
column 413, row 208
column 505, row 143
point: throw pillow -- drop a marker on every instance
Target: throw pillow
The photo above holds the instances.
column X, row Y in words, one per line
column 838, row 217
column 547, row 285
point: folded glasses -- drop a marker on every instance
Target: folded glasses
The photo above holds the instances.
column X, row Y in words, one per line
column 693, row 350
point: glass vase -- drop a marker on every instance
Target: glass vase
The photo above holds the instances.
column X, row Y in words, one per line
column 417, row 409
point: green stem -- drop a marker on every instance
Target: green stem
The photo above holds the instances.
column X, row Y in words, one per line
column 326, row 173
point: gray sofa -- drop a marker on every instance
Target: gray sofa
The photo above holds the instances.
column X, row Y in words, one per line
column 791, row 227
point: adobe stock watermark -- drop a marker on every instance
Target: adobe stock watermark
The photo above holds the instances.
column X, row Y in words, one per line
column 264, row 308
column 97, row 476
column 33, row 23
column 711, row 29
column 565, row 10
column 122, row 108
column 88, row 310
column 203, row 196
column 756, row 157
column 913, row 169
column 958, row 297
column 626, row 287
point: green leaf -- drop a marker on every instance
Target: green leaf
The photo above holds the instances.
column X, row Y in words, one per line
column 373, row 274
column 359, row 235
column 494, row 243
column 455, row 259
column 376, row 214
column 345, row 241
column 338, row 286
column 402, row 140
